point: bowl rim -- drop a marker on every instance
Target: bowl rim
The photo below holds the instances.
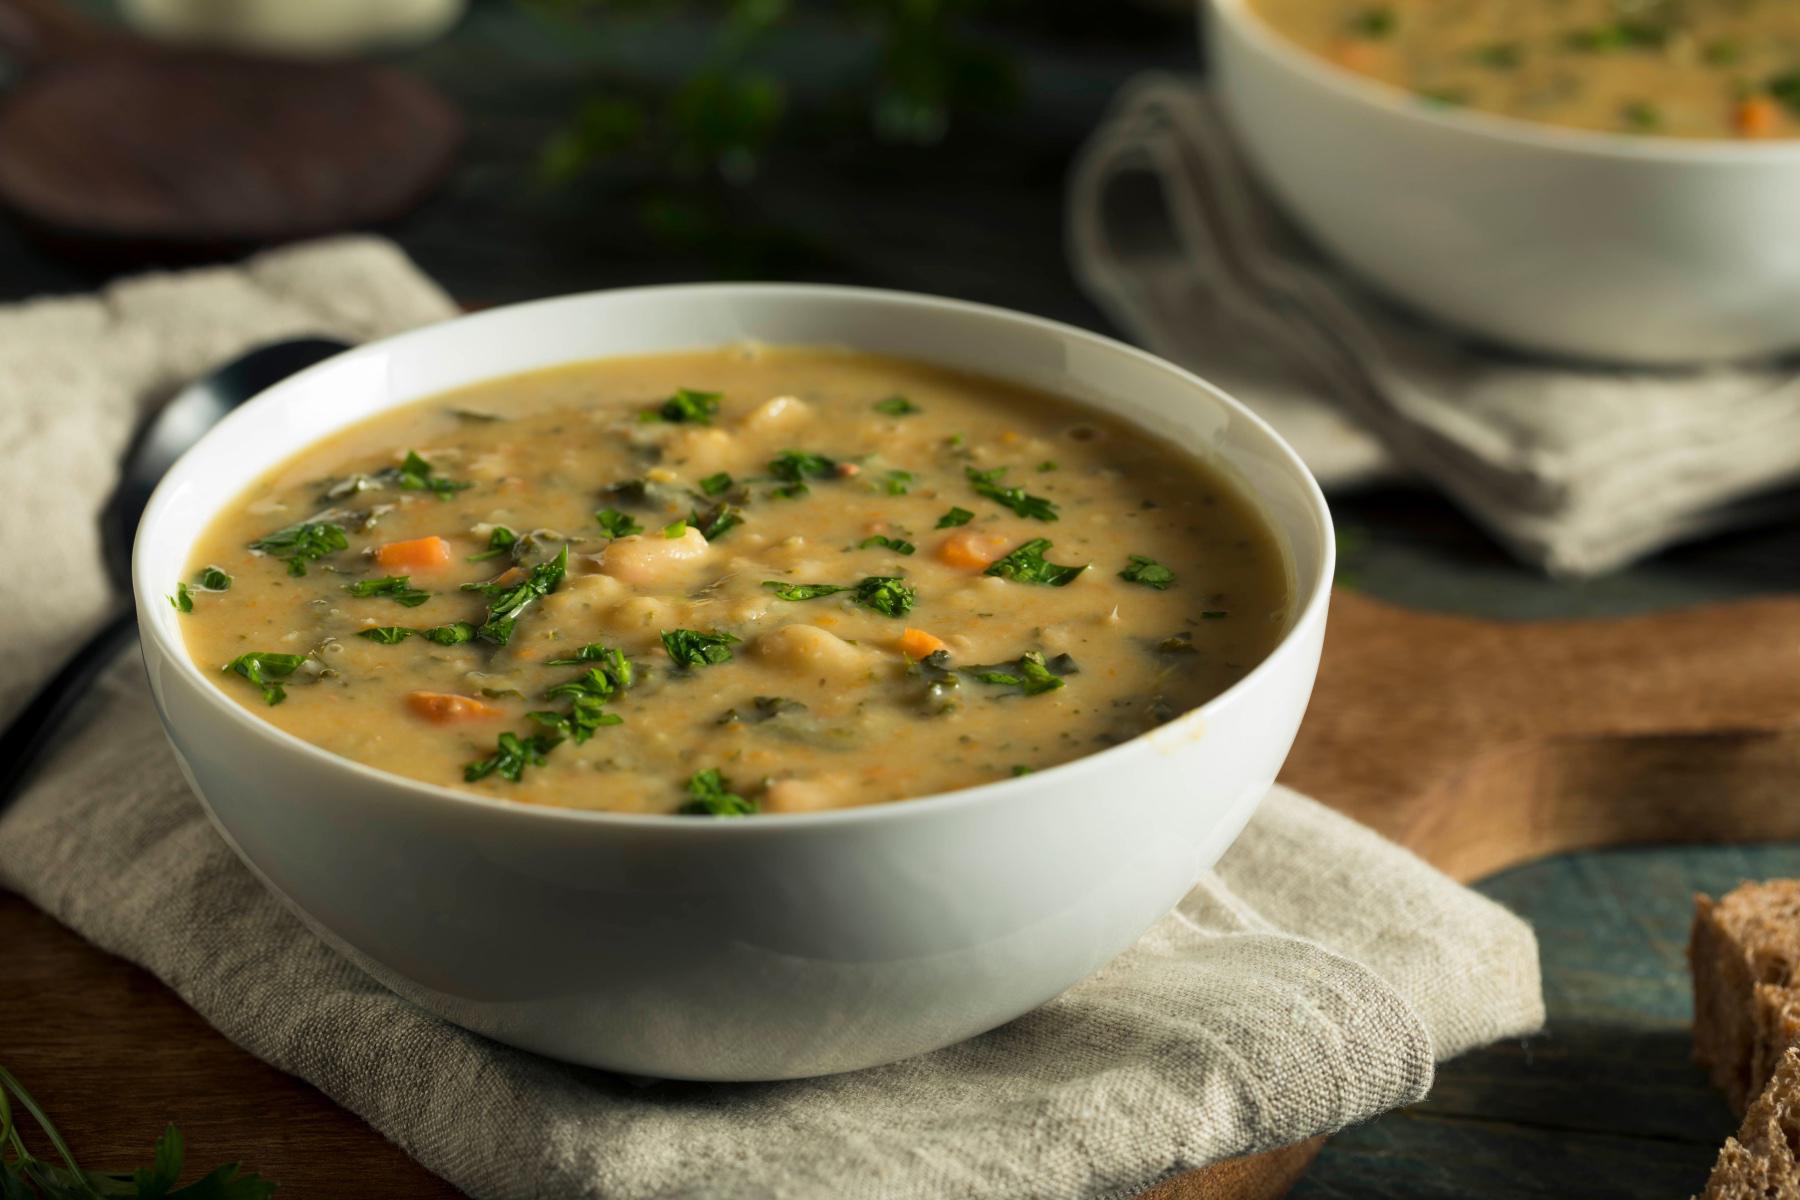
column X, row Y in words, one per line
column 1495, row 127
column 1302, row 622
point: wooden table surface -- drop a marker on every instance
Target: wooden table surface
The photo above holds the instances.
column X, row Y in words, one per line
column 1604, row 1104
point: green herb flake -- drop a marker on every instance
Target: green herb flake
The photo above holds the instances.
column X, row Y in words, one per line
column 1027, row 564
column 302, row 543
column 897, row 545
column 1374, row 23
column 1641, row 117
column 898, row 482
column 896, row 406
column 1030, row 674
column 1498, row 56
column 500, row 541
column 687, row 407
column 1785, row 89
column 1148, row 572
column 714, row 485
column 416, row 475
column 796, row 466
column 717, row 521
column 387, row 635
column 507, row 601
column 588, row 693
column 710, row 795
column 955, row 517
column 691, row 648
column 263, row 669
column 614, row 661
column 1049, row 464
column 986, row 483
column 675, row 529
column 453, row 634
column 802, row 591
column 182, row 601
column 1019, row 769
column 397, row 588
column 212, row 579
column 886, row 594
column 512, row 756
column 617, row 524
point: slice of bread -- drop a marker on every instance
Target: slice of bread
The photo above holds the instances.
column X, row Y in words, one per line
column 1763, row 1161
column 1745, row 955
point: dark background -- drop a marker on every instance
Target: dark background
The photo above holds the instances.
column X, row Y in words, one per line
column 1606, row 1103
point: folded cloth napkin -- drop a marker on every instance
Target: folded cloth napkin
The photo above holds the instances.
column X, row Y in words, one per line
column 1579, row 470
column 1309, row 983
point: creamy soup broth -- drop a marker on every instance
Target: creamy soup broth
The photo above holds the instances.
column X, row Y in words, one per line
column 745, row 580
column 1683, row 68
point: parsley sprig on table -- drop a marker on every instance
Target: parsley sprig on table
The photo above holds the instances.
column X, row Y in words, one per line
column 24, row 1175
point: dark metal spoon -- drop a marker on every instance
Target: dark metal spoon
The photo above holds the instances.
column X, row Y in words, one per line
column 163, row 439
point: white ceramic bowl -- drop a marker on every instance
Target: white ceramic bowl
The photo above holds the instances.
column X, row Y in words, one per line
column 1599, row 246
column 765, row 948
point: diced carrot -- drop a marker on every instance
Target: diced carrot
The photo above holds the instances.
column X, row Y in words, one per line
column 447, row 707
column 916, row 643
column 972, row 548
column 1756, row 116
column 420, row 554
column 1356, row 54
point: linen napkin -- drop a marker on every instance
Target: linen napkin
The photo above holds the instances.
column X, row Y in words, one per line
column 1308, row 983
column 1579, row 470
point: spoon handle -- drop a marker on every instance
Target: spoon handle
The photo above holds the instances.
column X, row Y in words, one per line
column 31, row 732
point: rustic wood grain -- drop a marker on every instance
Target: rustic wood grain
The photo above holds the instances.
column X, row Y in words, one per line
column 1477, row 743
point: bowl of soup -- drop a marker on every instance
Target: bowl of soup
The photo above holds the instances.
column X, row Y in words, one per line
column 734, row 682
column 1579, row 178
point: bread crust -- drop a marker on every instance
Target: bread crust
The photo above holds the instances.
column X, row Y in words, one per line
column 1744, row 951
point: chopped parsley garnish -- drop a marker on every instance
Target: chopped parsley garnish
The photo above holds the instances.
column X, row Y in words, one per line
column 1029, row 674
column 1026, row 564
column 1049, row 464
column 1624, row 34
column 617, row 524
column 387, row 635
column 762, row 708
column 1641, row 117
column 802, row 591
column 263, row 669
column 500, row 540
column 710, row 795
column 687, row 407
column 717, row 521
column 791, row 491
column 1148, row 572
column 897, row 545
column 453, row 634
column 986, row 483
column 886, row 594
column 397, row 588
column 897, row 482
column 1019, row 769
column 796, row 466
column 713, row 485
column 691, row 648
column 1499, row 56
column 506, row 601
column 1378, row 22
column 598, row 652
column 300, row 544
column 182, row 601
column 213, row 580
column 1786, row 90
column 1178, row 643
column 956, row 516
column 415, row 475
column 896, row 406
column 512, row 756
column 588, row 694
